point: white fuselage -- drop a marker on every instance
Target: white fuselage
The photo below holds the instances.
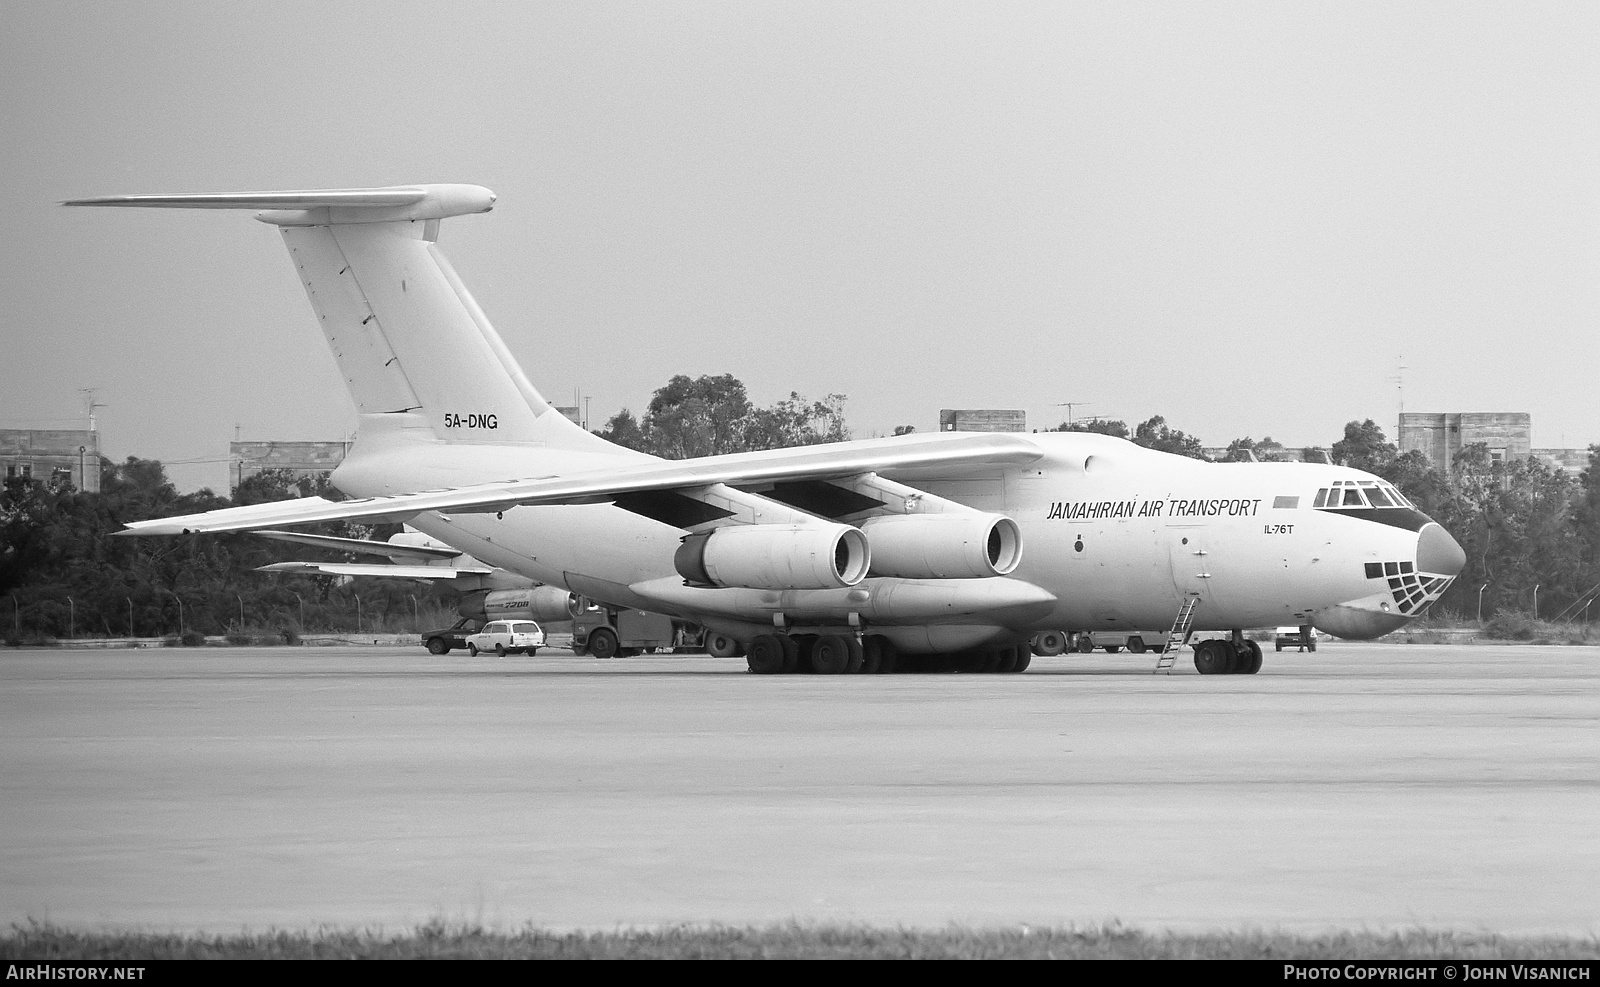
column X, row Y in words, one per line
column 1116, row 536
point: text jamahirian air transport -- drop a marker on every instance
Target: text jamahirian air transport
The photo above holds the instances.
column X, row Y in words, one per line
column 939, row 550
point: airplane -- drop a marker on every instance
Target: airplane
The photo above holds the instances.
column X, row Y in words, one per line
column 942, row 551
column 487, row 593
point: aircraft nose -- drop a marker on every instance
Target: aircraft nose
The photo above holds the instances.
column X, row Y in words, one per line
column 1439, row 553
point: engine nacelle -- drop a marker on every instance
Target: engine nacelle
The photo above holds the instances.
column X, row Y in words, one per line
column 775, row 556
column 943, row 546
column 539, row 603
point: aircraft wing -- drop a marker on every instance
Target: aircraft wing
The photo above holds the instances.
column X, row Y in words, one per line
column 409, row 553
column 939, row 454
column 374, row 569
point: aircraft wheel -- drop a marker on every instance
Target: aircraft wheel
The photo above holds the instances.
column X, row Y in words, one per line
column 879, row 656
column 1009, row 657
column 603, row 642
column 1230, row 657
column 1208, row 658
column 721, row 646
column 499, row 651
column 436, row 646
column 1049, row 643
column 1250, row 662
column 871, row 654
column 472, row 649
column 830, row 655
column 767, row 655
column 791, row 654
column 1024, row 657
column 858, row 657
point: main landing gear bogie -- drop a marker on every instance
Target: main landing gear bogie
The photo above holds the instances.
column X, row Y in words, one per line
column 1223, row 657
column 846, row 654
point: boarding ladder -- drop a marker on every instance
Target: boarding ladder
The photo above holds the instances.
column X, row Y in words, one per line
column 1178, row 636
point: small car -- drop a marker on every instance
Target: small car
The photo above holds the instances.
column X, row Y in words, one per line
column 504, row 636
column 1290, row 637
column 446, row 639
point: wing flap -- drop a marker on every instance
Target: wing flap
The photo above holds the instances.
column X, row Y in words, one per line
column 409, row 553
column 374, row 569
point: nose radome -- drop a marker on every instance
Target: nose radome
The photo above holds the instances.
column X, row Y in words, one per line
column 1439, row 553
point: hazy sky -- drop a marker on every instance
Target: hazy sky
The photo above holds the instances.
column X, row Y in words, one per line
column 1245, row 217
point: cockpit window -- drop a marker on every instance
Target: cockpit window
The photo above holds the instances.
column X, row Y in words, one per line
column 1362, row 493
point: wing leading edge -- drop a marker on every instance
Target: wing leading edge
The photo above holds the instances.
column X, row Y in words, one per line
column 901, row 454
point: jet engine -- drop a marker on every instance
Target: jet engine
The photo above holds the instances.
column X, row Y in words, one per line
column 539, row 603
column 775, row 556
column 943, row 546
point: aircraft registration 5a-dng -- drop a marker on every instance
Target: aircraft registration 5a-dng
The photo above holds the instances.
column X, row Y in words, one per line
column 946, row 550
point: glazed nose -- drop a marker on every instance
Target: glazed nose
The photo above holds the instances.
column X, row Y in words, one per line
column 1439, row 553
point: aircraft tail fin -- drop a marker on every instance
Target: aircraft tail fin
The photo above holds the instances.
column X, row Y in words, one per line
column 408, row 336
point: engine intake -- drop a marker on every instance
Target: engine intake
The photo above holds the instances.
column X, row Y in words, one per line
column 943, row 546
column 775, row 556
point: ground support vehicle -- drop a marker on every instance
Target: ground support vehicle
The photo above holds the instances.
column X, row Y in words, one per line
column 1059, row 642
column 505, row 637
column 443, row 640
column 1138, row 642
column 1299, row 638
column 606, row 633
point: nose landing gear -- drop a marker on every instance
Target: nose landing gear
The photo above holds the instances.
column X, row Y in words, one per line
column 1223, row 657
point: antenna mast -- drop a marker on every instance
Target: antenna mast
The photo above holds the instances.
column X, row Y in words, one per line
column 90, row 404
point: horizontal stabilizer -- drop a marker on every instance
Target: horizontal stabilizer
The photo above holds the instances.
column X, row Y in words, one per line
column 324, row 206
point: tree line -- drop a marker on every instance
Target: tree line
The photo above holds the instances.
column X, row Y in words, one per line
column 63, row 573
column 1527, row 528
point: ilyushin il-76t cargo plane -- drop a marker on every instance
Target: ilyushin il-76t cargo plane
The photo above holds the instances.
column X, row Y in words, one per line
column 944, row 550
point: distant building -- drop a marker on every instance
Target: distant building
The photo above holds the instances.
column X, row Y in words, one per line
column 982, row 420
column 1441, row 436
column 1276, row 453
column 1508, row 435
column 1571, row 460
column 246, row 459
column 57, row 456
